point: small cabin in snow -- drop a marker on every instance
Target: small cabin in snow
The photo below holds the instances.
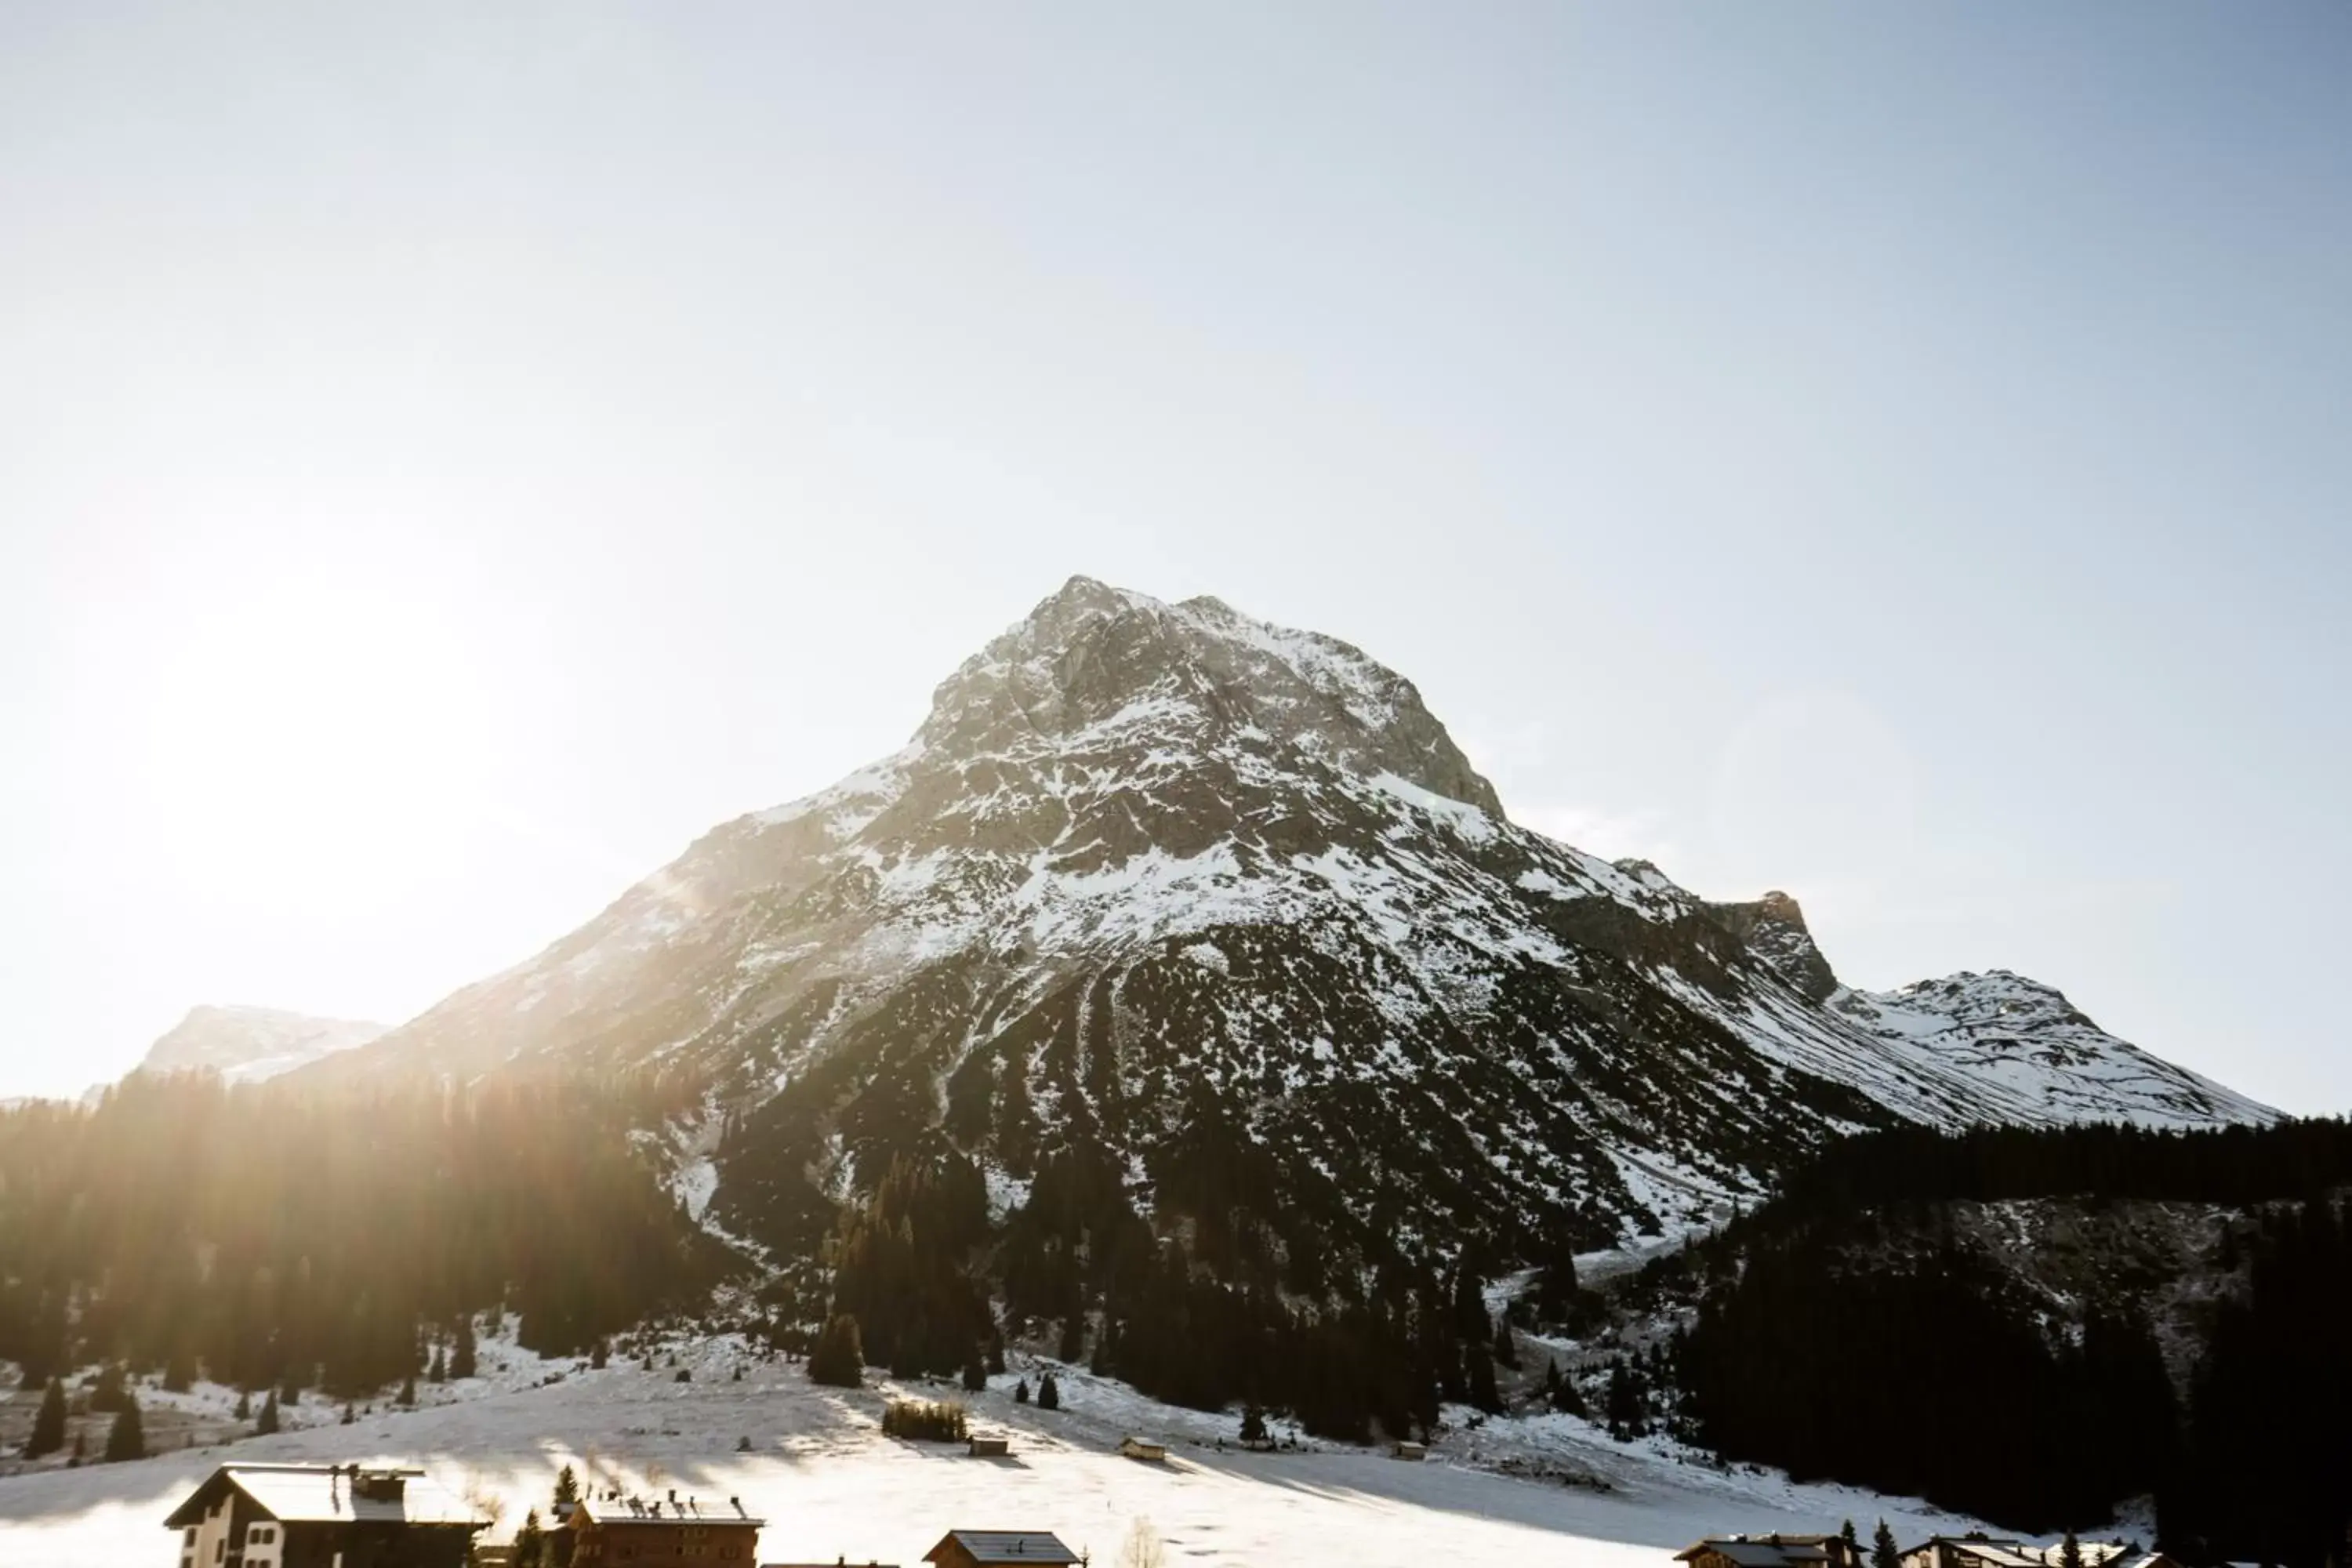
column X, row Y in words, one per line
column 997, row 1548
column 1770, row 1551
column 1137, row 1449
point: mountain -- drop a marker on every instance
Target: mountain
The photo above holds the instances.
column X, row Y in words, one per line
column 1222, row 904
column 246, row 1045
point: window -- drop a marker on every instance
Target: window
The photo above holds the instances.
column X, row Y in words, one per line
column 191, row 1535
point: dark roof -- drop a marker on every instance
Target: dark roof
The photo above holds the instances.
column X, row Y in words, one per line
column 1006, row 1546
column 332, row 1494
column 1762, row 1551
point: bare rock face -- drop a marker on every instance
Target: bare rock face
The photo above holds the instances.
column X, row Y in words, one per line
column 1773, row 927
column 1148, row 874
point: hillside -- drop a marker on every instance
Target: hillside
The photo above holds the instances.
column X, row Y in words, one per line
column 246, row 1045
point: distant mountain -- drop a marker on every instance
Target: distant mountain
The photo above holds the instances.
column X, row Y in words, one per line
column 246, row 1045
column 1155, row 878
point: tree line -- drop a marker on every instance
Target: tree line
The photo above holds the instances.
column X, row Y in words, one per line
column 1843, row 1330
column 278, row 1235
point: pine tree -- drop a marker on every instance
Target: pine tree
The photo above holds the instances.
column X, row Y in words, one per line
column 179, row 1370
column 244, row 1411
column 600, row 1356
column 1252, row 1425
column 529, row 1543
column 567, row 1485
column 349, row 1416
column 1852, row 1540
column 1049, row 1394
column 49, row 1423
column 266, row 1422
column 408, row 1391
column 1507, row 1348
column 1021, row 1392
column 838, row 1359
column 461, row 1359
column 1883, row 1552
column 975, row 1376
column 109, row 1394
column 127, row 1438
column 437, row 1369
column 2070, row 1552
column 1483, row 1392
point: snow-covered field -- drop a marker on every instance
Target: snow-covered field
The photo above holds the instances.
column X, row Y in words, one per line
column 832, row 1487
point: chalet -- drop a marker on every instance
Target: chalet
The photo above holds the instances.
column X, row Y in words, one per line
column 1409, row 1451
column 323, row 1516
column 1972, row 1551
column 1770, row 1551
column 990, row 1448
column 996, row 1547
column 607, row 1529
column 1137, row 1449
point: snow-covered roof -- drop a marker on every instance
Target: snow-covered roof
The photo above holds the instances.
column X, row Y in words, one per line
column 1006, row 1546
column 329, row 1494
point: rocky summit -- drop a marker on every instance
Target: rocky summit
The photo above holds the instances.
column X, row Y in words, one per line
column 1153, row 873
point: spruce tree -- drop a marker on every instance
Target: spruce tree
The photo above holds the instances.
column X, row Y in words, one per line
column 567, row 1485
column 179, row 1370
column 530, row 1541
column 1049, row 1394
column 2070, row 1551
column 244, row 1411
column 1252, row 1425
column 437, row 1369
column 838, row 1359
column 50, row 1423
column 127, row 1438
column 975, row 1376
column 1483, row 1392
column 109, row 1394
column 1507, row 1348
column 266, row 1422
column 598, row 1357
column 461, row 1359
column 349, row 1416
column 1021, row 1392
column 408, row 1391
column 1853, row 1542
column 1883, row 1550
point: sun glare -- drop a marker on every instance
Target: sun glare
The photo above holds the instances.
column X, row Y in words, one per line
column 306, row 736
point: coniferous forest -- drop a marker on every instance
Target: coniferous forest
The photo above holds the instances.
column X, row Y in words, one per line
column 1845, row 1331
column 289, row 1237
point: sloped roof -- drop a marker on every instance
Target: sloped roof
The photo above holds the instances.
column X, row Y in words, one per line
column 1762, row 1551
column 327, row 1494
column 1006, row 1546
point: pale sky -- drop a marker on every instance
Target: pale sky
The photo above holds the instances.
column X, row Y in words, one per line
column 452, row 456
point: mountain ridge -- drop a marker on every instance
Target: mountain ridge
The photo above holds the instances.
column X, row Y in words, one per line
column 1143, row 863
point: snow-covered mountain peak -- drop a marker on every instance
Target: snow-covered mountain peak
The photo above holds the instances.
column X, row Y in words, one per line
column 1092, row 658
column 246, row 1045
column 1149, row 868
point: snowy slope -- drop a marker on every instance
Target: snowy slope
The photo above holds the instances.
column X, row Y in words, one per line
column 1147, row 865
column 246, row 1045
column 834, row 1488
